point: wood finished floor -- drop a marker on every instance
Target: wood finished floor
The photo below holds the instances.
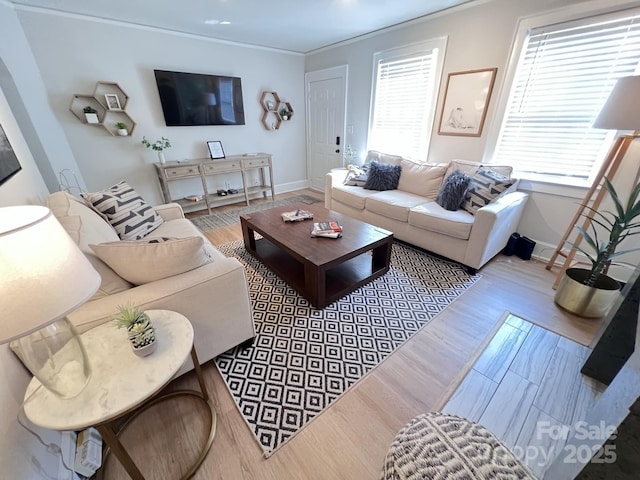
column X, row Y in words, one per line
column 350, row 439
column 527, row 382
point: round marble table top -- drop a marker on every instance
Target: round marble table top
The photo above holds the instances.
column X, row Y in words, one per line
column 120, row 380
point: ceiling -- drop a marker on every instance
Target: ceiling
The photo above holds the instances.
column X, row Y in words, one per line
column 294, row 25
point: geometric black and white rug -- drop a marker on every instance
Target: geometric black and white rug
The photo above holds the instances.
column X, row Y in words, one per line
column 303, row 358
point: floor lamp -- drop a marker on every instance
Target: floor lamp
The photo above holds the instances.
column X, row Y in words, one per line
column 620, row 112
column 43, row 277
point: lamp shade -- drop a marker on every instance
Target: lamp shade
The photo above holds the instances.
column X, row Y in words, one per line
column 621, row 111
column 43, row 274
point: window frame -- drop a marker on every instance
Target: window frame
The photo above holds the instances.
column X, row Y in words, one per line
column 575, row 13
column 439, row 43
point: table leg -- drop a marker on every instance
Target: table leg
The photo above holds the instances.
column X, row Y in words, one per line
column 198, row 369
column 248, row 236
column 315, row 285
column 111, row 440
column 381, row 257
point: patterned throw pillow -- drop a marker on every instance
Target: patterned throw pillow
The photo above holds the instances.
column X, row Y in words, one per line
column 486, row 186
column 383, row 176
column 453, row 191
column 130, row 216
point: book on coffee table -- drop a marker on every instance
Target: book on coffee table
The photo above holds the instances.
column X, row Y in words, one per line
column 328, row 229
column 296, row 216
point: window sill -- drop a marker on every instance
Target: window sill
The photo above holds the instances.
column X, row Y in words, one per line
column 551, row 188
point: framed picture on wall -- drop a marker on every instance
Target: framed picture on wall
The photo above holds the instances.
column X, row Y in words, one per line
column 113, row 102
column 466, row 99
column 215, row 149
column 9, row 164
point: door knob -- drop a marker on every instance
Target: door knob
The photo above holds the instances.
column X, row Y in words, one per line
column 337, row 150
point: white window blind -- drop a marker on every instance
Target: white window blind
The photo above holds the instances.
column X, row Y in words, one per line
column 565, row 75
column 404, row 96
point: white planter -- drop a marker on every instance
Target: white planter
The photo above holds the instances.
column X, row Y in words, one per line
column 161, row 158
column 123, row 132
column 91, row 117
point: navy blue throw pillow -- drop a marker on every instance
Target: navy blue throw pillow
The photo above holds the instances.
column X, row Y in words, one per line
column 383, row 176
column 453, row 191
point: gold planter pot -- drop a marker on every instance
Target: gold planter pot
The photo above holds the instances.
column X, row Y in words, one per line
column 590, row 302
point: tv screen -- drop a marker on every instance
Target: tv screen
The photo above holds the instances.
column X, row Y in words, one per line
column 198, row 99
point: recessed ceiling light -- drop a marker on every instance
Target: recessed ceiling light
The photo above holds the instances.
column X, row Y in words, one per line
column 212, row 22
column 225, row 23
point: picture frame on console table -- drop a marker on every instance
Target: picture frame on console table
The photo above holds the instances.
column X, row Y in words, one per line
column 466, row 99
column 215, row 149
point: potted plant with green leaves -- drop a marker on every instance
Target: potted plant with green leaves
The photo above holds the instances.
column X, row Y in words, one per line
column 90, row 114
column 141, row 333
column 159, row 146
column 589, row 292
column 122, row 129
column 285, row 113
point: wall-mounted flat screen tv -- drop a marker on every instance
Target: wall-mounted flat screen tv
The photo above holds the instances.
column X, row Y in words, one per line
column 198, row 99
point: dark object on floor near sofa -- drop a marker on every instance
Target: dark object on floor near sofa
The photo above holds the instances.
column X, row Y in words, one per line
column 512, row 244
column 524, row 248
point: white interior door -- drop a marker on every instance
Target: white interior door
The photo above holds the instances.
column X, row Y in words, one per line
column 326, row 106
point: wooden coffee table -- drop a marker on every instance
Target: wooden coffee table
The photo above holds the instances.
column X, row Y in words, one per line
column 322, row 270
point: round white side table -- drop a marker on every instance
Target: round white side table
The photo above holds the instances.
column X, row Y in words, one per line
column 122, row 383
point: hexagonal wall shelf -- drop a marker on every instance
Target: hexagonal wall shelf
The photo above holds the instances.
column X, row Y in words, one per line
column 110, row 101
column 271, row 107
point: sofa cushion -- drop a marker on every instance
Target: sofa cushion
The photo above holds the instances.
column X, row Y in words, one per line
column 375, row 156
column 80, row 221
column 486, row 186
column 393, row 204
column 453, row 192
column 431, row 216
column 349, row 195
column 152, row 259
column 422, row 179
column 382, row 176
column 468, row 167
column 131, row 217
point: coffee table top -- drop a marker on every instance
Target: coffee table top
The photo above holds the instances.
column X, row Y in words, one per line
column 357, row 236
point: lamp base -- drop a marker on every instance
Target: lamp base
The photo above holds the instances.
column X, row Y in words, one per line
column 56, row 356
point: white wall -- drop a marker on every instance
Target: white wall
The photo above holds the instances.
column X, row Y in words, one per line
column 74, row 53
column 480, row 35
column 22, row 86
column 21, row 456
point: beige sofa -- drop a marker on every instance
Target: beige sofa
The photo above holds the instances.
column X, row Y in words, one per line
column 412, row 214
column 213, row 296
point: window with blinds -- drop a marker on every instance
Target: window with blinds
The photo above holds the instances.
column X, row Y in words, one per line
column 565, row 74
column 405, row 92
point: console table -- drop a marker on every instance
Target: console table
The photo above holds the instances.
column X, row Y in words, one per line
column 203, row 168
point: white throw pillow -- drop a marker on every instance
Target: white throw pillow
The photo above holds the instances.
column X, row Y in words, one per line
column 422, row 179
column 148, row 260
column 130, row 216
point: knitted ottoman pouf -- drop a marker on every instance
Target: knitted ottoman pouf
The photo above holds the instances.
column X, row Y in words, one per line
column 438, row 446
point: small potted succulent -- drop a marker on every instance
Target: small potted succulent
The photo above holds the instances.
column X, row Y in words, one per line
column 285, row 113
column 158, row 146
column 141, row 333
column 122, row 129
column 90, row 114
